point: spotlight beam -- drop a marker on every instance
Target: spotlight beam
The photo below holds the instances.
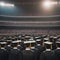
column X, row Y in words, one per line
column 49, row 4
column 6, row 4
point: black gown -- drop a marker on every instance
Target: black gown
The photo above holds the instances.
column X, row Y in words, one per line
column 40, row 50
column 22, row 45
column 54, row 46
column 3, row 54
column 57, row 54
column 20, row 48
column 28, row 55
column 8, row 48
column 15, row 54
column 47, row 55
column 36, row 53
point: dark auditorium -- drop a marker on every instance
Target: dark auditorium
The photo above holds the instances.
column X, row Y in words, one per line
column 29, row 29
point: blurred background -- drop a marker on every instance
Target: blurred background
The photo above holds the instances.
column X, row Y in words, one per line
column 29, row 17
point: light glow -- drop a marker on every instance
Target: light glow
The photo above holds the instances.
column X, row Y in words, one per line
column 49, row 4
column 6, row 4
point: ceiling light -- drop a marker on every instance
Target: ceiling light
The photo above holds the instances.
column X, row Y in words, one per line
column 6, row 4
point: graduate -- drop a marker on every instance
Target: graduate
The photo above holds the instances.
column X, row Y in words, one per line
column 48, row 53
column 8, row 45
column 3, row 51
column 35, row 50
column 39, row 45
column 15, row 53
column 28, row 53
column 54, row 43
column 19, row 45
column 57, row 51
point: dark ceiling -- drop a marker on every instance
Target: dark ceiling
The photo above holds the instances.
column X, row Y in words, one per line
column 21, row 0
column 25, row 0
column 28, row 7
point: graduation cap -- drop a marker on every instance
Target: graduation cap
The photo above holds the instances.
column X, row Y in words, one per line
column 27, row 44
column 27, row 41
column 58, row 36
column 55, row 37
column 51, row 38
column 19, row 38
column 58, row 43
column 13, row 39
column 58, row 39
column 30, row 43
column 48, row 45
column 48, row 42
column 44, row 36
column 27, row 37
column 46, row 39
column 9, row 42
column 33, row 43
column 31, row 39
column 3, row 44
column 14, row 43
column 9, row 38
column 38, row 41
column 19, row 41
column 37, row 37
column 4, row 38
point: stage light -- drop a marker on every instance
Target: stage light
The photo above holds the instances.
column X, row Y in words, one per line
column 12, row 5
column 48, row 4
column 6, row 4
column 2, row 4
